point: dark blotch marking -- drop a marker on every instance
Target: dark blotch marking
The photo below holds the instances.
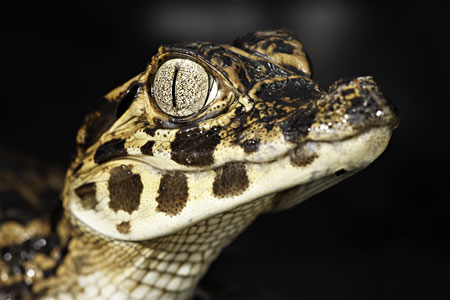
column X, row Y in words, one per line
column 361, row 104
column 150, row 131
column 280, row 46
column 124, row 227
column 262, row 40
column 340, row 82
column 247, row 40
column 86, row 192
column 191, row 47
column 77, row 168
column 298, row 124
column 127, row 98
column 109, row 150
column 362, row 111
column 299, row 89
column 195, row 147
column 348, row 92
column 230, row 180
column 244, row 80
column 250, row 146
column 284, row 47
column 103, row 113
column 125, row 189
column 172, row 193
column 301, row 157
column 147, row 148
column 259, row 70
column 251, row 39
column 227, row 60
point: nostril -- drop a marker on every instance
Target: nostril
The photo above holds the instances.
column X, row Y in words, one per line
column 368, row 105
column 340, row 172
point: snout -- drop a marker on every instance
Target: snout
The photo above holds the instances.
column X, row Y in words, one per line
column 365, row 104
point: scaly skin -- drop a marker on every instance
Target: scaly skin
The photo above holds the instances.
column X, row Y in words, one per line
column 174, row 164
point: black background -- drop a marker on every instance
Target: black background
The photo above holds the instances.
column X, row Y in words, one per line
column 383, row 234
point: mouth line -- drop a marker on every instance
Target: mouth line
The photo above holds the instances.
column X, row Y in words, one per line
column 314, row 143
column 299, row 193
column 135, row 160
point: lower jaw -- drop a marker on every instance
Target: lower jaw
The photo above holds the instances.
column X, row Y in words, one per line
column 295, row 195
column 319, row 161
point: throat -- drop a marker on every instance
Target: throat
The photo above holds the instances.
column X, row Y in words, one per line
column 168, row 267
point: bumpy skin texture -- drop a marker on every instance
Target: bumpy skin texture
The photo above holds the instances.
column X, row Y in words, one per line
column 150, row 199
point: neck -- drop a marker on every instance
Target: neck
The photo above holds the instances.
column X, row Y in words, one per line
column 167, row 267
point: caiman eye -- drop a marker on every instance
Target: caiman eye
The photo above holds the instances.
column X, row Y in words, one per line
column 182, row 87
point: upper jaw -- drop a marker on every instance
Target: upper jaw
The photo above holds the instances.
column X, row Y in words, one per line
column 351, row 107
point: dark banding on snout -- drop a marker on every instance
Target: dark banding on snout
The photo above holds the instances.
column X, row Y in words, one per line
column 368, row 105
column 109, row 150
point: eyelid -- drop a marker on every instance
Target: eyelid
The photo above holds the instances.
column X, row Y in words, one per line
column 220, row 92
column 213, row 90
column 183, row 87
column 180, row 87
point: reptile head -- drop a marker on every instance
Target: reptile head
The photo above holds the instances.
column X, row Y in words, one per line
column 207, row 128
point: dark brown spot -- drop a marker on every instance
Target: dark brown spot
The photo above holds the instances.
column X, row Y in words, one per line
column 302, row 156
column 147, row 148
column 231, row 180
column 258, row 70
column 123, row 227
column 77, row 168
column 172, row 193
column 283, row 47
column 271, row 43
column 125, row 189
column 150, row 131
column 104, row 113
column 101, row 116
column 294, row 90
column 109, row 150
column 127, row 98
column 298, row 125
column 250, row 146
column 195, row 147
column 86, row 193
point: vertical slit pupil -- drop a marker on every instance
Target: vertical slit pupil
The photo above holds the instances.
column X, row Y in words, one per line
column 174, row 101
